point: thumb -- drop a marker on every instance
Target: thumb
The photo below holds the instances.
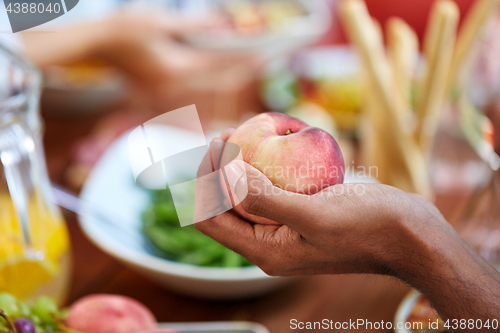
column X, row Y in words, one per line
column 260, row 197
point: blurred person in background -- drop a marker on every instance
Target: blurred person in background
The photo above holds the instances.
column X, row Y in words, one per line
column 144, row 45
column 143, row 39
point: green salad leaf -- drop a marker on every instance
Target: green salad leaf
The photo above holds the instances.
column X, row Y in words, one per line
column 183, row 244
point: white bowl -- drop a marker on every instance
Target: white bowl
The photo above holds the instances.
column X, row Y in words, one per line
column 110, row 190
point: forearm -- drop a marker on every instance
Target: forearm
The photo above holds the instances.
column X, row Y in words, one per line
column 459, row 283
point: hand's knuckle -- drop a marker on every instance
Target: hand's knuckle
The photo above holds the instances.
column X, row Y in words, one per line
column 253, row 204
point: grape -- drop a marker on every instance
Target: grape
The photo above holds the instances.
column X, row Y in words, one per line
column 8, row 304
column 44, row 308
column 23, row 325
column 34, row 319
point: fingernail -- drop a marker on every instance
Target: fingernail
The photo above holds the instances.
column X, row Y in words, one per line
column 233, row 174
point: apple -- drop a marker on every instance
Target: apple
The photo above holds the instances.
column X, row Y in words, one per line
column 102, row 313
column 294, row 156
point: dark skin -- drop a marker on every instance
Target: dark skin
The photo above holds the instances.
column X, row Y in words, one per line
column 359, row 228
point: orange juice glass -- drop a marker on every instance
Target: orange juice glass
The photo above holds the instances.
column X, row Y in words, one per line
column 34, row 242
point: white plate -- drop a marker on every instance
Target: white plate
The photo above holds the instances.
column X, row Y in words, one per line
column 404, row 310
column 216, row 327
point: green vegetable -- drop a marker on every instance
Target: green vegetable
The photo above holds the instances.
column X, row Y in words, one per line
column 183, row 244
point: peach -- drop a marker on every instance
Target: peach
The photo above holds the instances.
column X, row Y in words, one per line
column 293, row 155
column 101, row 313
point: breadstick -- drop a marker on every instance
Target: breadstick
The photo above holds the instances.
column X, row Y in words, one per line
column 403, row 56
column 438, row 49
column 396, row 148
column 365, row 36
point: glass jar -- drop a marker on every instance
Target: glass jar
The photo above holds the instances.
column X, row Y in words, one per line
column 34, row 241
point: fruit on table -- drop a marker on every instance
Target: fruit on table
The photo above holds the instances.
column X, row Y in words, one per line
column 41, row 316
column 293, row 155
column 44, row 307
column 24, row 325
column 103, row 313
column 92, row 314
column 8, row 304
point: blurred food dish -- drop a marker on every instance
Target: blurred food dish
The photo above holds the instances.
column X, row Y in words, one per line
column 478, row 130
column 324, row 76
column 270, row 27
column 111, row 187
column 252, row 18
column 81, row 88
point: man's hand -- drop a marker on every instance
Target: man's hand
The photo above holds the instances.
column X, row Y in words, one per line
column 342, row 229
column 360, row 228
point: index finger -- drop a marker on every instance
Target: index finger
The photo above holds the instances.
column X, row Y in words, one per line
column 230, row 231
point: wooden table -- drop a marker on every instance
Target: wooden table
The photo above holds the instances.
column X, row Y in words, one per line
column 313, row 298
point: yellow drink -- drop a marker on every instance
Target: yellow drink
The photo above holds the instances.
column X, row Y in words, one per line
column 26, row 278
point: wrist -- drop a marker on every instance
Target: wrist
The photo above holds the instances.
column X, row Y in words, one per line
column 428, row 248
column 435, row 260
column 419, row 240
